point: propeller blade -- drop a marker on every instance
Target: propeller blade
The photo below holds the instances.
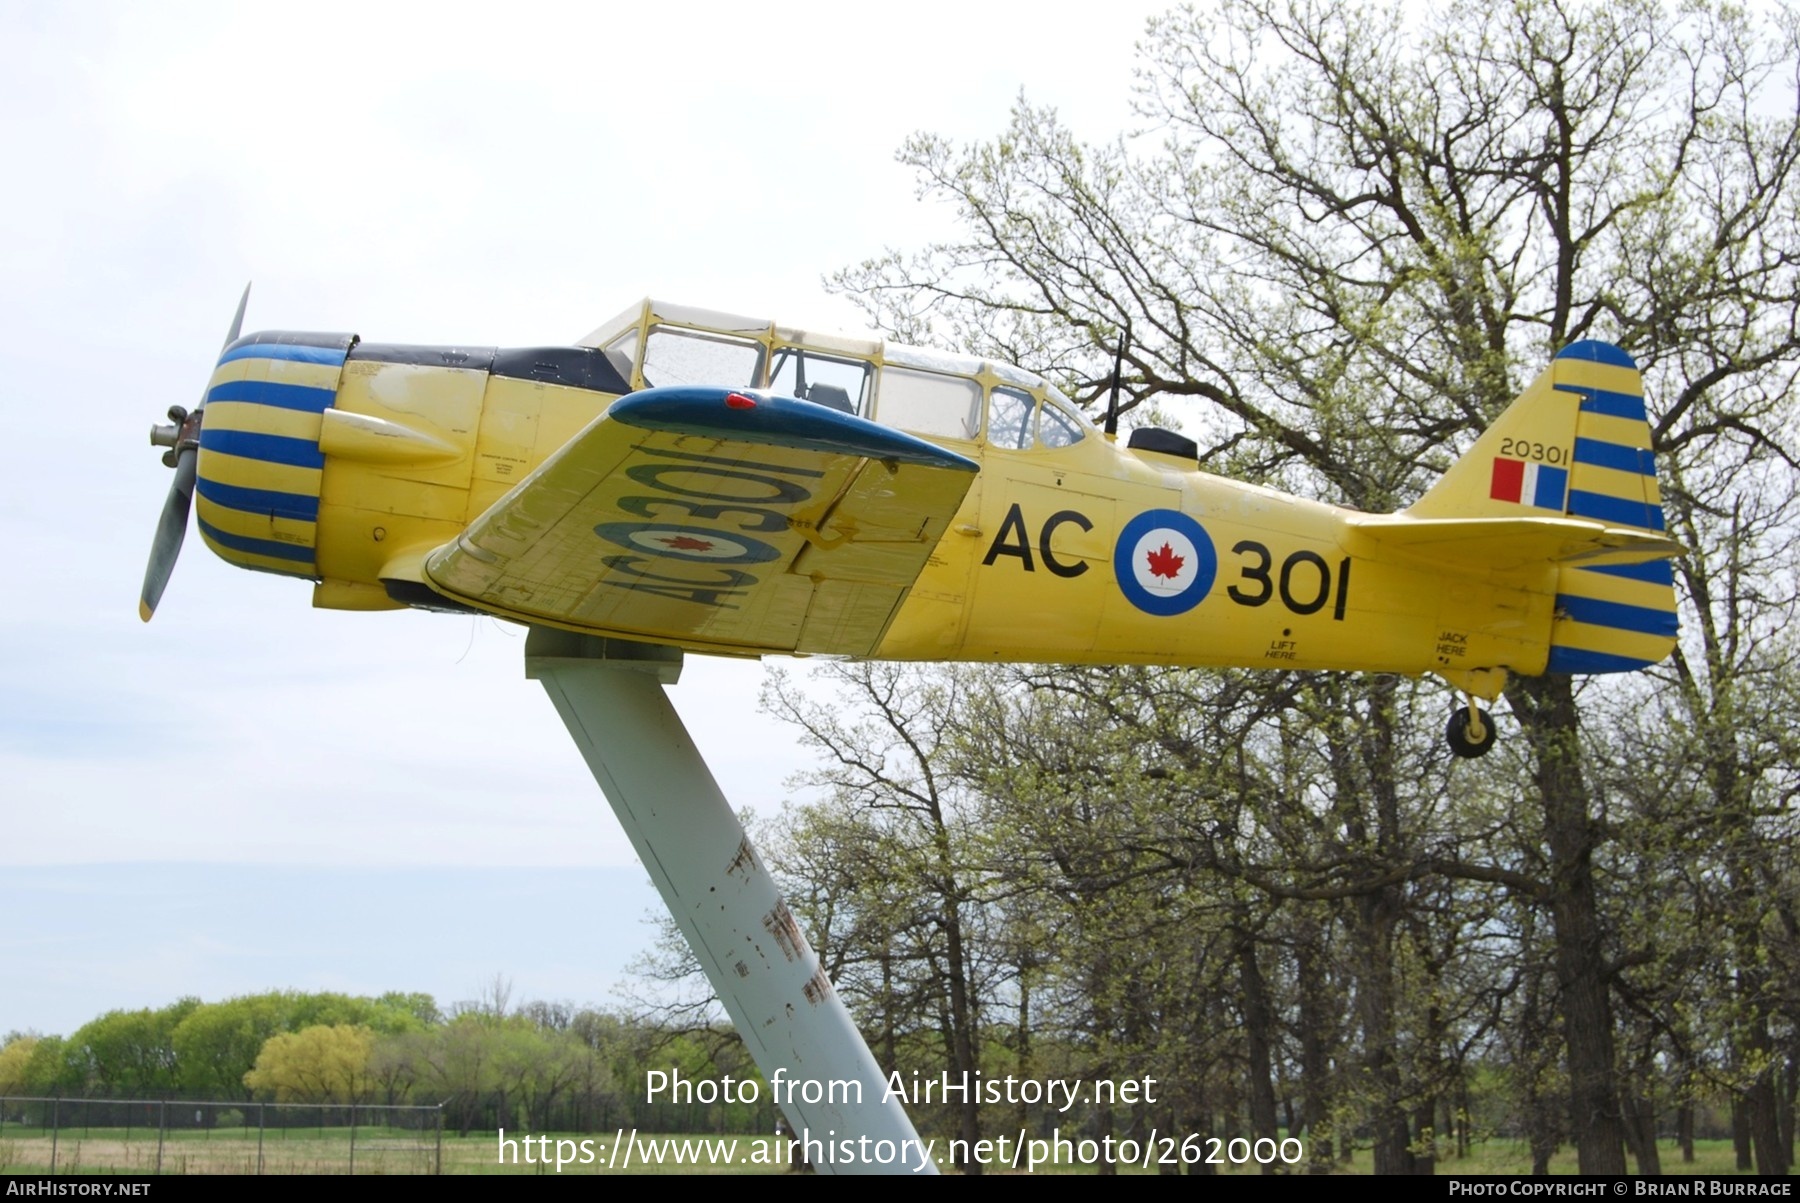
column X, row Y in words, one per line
column 237, row 323
column 183, row 439
column 171, row 528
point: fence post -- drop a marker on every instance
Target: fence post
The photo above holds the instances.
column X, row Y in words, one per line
column 262, row 1113
column 162, row 1125
column 55, row 1125
column 353, row 1140
column 440, row 1140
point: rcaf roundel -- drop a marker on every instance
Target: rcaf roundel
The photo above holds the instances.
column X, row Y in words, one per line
column 696, row 543
column 1164, row 562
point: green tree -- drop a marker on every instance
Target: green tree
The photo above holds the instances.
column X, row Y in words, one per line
column 396, row 1003
column 317, row 1064
column 217, row 1043
column 130, row 1054
column 459, row 1067
column 15, row 1063
column 1718, row 776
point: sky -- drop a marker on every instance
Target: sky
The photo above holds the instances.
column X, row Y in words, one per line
column 250, row 794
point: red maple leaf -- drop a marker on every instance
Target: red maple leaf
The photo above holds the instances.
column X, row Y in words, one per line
column 1165, row 562
column 687, row 543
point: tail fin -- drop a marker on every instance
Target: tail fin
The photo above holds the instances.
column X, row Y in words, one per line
column 1577, row 443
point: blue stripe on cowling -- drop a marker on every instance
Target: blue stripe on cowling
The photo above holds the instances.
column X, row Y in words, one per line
column 1580, row 660
column 1651, row 572
column 256, row 547
column 1617, row 456
column 1608, row 403
column 281, row 396
column 261, row 502
column 1620, row 511
column 292, row 354
column 1617, row 615
column 270, row 448
column 1595, row 351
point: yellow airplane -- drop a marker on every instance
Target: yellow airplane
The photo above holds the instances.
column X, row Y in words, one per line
column 684, row 480
column 732, row 486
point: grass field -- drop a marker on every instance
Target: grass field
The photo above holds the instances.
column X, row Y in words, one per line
column 220, row 1151
column 400, row 1151
column 377, row 1151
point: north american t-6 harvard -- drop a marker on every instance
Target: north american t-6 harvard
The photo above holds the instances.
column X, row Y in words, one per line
column 728, row 485
column 682, row 480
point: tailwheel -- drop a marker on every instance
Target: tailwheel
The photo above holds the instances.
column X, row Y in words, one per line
column 1471, row 731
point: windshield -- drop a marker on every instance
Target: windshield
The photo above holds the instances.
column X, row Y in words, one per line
column 936, row 394
column 673, row 355
column 929, row 403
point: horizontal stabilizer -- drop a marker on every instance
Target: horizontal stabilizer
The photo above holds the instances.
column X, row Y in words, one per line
column 1507, row 543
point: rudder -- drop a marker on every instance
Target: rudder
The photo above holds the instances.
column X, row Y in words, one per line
column 1621, row 617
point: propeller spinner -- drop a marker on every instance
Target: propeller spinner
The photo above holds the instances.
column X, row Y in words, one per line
column 182, row 438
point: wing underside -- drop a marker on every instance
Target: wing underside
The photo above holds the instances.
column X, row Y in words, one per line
column 734, row 521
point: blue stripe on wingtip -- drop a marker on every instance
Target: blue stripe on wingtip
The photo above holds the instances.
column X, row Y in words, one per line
column 1618, row 615
column 1619, row 511
column 261, row 502
column 1595, row 351
column 256, row 547
column 1651, row 572
column 270, row 448
column 1617, row 456
column 778, row 422
column 281, row 396
column 1580, row 660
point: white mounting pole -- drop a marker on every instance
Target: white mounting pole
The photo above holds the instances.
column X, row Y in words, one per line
column 820, row 1072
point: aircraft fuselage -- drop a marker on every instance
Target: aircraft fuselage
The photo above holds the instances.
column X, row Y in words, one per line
column 355, row 464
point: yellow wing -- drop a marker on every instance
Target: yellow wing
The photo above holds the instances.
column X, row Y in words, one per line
column 720, row 520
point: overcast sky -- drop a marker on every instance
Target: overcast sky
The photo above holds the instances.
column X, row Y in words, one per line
column 248, row 793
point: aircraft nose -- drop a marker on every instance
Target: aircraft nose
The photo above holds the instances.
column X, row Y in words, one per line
column 261, row 468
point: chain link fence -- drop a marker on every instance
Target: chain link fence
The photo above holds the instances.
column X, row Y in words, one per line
column 179, row 1136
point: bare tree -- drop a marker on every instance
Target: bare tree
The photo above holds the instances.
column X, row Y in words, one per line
column 893, row 823
column 1349, row 234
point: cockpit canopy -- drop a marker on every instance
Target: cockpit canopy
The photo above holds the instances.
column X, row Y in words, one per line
column 935, row 394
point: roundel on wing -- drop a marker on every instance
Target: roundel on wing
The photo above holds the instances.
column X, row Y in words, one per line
column 1164, row 562
column 695, row 543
